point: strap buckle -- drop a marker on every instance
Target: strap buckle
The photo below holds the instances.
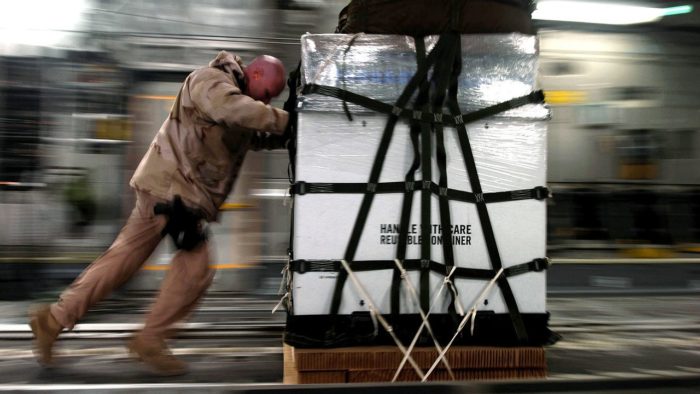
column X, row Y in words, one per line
column 303, row 266
column 541, row 192
column 424, row 264
column 536, row 265
column 299, row 188
column 540, row 264
column 537, row 96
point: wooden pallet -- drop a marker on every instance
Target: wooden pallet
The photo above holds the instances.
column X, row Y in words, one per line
column 378, row 364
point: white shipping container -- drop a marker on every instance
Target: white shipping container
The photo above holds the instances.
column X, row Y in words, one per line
column 509, row 151
column 510, row 154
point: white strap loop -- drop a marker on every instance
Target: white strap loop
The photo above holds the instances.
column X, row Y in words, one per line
column 426, row 324
column 455, row 296
column 378, row 316
column 463, row 323
column 285, row 286
column 279, row 304
column 425, row 319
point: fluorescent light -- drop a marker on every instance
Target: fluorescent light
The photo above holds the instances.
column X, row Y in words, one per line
column 603, row 13
column 38, row 22
column 683, row 9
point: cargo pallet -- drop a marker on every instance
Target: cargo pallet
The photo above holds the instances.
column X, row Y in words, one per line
column 363, row 364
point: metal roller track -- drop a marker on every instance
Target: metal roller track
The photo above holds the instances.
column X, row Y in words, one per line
column 646, row 385
column 274, row 330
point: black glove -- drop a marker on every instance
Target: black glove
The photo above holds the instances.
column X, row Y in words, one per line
column 184, row 224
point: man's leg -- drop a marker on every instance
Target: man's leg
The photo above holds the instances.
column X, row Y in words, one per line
column 135, row 242
column 184, row 285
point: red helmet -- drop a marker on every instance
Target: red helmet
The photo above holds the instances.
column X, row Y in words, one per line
column 264, row 78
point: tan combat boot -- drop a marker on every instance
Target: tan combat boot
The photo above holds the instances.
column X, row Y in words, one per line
column 45, row 329
column 156, row 355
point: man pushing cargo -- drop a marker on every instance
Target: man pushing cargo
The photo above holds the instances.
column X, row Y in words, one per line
column 219, row 114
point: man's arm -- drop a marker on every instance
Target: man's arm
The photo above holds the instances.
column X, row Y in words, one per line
column 269, row 141
column 219, row 99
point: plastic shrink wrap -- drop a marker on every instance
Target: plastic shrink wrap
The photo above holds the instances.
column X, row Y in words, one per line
column 509, row 151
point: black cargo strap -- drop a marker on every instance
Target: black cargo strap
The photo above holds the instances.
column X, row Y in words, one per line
column 290, row 106
column 360, row 220
column 440, row 81
column 345, row 53
column 448, row 119
column 300, row 188
column 404, row 222
column 407, row 204
column 303, row 266
column 443, row 77
column 487, row 229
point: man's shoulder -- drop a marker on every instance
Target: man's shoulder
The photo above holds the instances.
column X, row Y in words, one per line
column 210, row 73
column 206, row 72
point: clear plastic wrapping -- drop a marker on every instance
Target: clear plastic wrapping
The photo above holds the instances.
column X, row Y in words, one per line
column 510, row 154
column 495, row 68
column 509, row 151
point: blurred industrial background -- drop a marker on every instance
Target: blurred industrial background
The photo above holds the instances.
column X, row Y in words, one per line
column 82, row 93
column 85, row 85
